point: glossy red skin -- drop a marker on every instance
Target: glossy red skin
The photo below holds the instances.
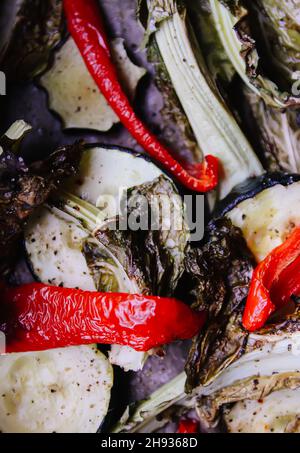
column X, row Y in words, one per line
column 273, row 282
column 288, row 284
column 86, row 27
column 188, row 426
column 38, row 317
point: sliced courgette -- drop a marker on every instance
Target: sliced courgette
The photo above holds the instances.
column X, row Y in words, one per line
column 62, row 390
column 107, row 172
column 54, row 245
column 73, row 93
column 266, row 209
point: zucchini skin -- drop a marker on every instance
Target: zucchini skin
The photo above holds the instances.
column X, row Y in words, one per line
column 252, row 187
column 181, row 189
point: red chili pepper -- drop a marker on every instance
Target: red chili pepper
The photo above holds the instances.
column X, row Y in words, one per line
column 37, row 317
column 87, row 29
column 274, row 281
column 188, row 426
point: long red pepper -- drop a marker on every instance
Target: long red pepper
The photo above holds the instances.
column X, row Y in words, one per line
column 87, row 29
column 38, row 317
column 273, row 283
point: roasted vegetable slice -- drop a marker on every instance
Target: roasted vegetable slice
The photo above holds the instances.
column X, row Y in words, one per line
column 74, row 95
column 55, row 242
column 266, row 209
column 63, row 391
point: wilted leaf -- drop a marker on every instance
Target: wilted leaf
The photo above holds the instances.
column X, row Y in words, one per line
column 37, row 29
column 24, row 188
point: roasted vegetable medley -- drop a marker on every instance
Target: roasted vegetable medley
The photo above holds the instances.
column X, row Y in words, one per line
column 158, row 208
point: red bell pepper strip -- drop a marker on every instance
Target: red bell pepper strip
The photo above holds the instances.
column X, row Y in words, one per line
column 38, row 317
column 188, row 426
column 288, row 284
column 87, row 29
column 273, row 282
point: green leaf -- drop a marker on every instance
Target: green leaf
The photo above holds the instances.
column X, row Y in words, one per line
column 38, row 27
column 24, row 188
column 159, row 269
column 278, row 134
column 263, row 44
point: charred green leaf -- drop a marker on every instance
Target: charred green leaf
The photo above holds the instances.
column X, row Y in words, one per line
column 267, row 56
column 37, row 28
column 24, row 188
column 277, row 132
column 220, row 272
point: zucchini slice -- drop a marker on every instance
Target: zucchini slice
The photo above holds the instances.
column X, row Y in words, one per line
column 63, row 390
column 266, row 209
column 73, row 93
column 54, row 247
column 106, row 172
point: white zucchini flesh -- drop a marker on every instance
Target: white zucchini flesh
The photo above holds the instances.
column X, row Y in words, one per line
column 62, row 390
column 105, row 173
column 279, row 412
column 268, row 218
column 54, row 247
column 73, row 93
